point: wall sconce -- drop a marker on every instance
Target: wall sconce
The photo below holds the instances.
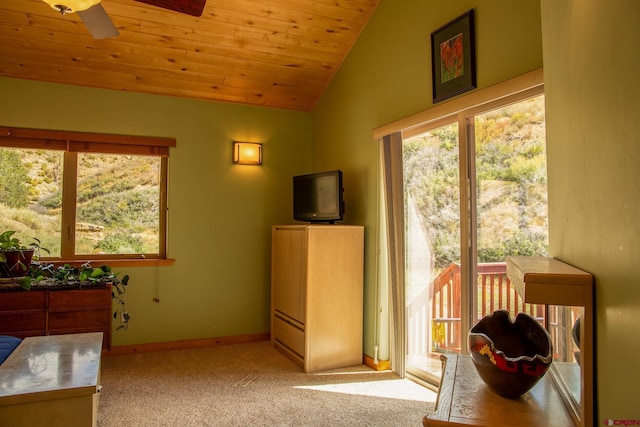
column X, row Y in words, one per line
column 247, row 153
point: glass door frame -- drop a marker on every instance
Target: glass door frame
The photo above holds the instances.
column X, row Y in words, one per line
column 468, row 207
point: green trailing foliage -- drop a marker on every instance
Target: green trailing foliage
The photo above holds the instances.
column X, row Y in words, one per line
column 64, row 275
column 85, row 276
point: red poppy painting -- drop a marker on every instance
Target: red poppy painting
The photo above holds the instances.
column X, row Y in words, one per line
column 453, row 58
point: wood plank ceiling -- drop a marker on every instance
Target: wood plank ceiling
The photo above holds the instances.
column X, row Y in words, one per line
column 275, row 53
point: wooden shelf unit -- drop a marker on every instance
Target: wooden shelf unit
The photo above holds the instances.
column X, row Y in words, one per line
column 544, row 280
column 464, row 399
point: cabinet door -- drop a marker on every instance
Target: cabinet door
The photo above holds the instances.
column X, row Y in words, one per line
column 22, row 324
column 85, row 299
column 22, row 313
column 288, row 271
column 21, row 300
column 81, row 310
column 334, row 296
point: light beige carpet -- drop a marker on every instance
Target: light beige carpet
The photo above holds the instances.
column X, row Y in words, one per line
column 251, row 385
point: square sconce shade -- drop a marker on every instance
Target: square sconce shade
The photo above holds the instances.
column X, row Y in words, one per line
column 247, row 153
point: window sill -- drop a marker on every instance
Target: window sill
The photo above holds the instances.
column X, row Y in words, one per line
column 116, row 262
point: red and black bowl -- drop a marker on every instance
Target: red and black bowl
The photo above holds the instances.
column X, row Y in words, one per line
column 510, row 357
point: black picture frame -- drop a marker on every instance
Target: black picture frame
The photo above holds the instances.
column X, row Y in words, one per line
column 453, row 57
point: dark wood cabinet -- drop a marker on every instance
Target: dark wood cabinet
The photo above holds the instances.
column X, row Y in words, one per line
column 55, row 312
column 23, row 314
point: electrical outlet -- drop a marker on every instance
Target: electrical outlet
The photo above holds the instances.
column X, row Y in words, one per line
column 124, row 317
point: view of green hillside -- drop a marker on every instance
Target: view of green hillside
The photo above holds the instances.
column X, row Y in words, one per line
column 117, row 200
column 511, row 197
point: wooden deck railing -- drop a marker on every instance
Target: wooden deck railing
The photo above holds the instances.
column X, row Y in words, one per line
column 444, row 295
column 445, row 309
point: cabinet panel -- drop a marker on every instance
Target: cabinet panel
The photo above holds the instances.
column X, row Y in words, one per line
column 334, row 297
column 17, row 321
column 288, row 269
column 12, row 300
column 77, row 319
column 289, row 335
column 79, row 299
column 22, row 314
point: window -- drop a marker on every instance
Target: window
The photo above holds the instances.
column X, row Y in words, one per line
column 85, row 196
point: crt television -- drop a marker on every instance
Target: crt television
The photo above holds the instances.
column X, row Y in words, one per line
column 318, row 197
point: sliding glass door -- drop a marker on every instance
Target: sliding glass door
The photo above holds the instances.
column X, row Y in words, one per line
column 474, row 193
column 510, row 204
column 432, row 246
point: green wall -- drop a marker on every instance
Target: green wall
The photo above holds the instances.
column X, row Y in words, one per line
column 593, row 139
column 593, row 135
column 219, row 213
column 387, row 76
column 223, row 212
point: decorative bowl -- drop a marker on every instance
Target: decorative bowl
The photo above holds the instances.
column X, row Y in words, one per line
column 510, row 357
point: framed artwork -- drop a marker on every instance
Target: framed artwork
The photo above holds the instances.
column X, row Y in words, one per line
column 453, row 58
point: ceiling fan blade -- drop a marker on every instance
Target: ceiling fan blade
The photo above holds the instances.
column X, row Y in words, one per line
column 190, row 7
column 98, row 22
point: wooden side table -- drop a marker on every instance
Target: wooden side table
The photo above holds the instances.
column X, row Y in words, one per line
column 52, row 380
column 465, row 400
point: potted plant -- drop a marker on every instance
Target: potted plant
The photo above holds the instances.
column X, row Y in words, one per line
column 21, row 264
column 16, row 257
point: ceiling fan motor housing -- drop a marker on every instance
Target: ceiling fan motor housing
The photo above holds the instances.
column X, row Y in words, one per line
column 71, row 6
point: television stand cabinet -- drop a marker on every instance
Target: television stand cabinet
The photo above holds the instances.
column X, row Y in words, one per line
column 317, row 294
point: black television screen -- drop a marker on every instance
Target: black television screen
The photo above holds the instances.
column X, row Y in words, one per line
column 317, row 197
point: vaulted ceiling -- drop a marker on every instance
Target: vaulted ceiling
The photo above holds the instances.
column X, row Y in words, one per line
column 275, row 53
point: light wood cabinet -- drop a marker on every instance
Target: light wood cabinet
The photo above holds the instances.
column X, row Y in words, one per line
column 564, row 288
column 56, row 311
column 317, row 294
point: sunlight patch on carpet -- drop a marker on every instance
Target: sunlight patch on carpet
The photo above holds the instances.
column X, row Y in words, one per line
column 401, row 389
